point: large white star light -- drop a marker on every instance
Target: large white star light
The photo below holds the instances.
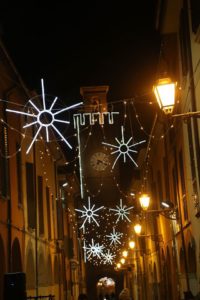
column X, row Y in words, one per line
column 122, row 211
column 114, row 237
column 45, row 118
column 108, row 257
column 89, row 213
column 123, row 148
column 93, row 250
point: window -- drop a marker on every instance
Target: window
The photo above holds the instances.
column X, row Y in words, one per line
column 174, row 178
column 192, row 163
column 183, row 188
column 159, row 186
column 19, row 173
column 30, row 195
column 48, row 213
column 40, row 205
column 195, row 14
column 166, row 178
column 183, row 42
column 4, row 164
column 59, row 219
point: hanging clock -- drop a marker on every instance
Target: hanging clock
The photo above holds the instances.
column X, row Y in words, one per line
column 99, row 161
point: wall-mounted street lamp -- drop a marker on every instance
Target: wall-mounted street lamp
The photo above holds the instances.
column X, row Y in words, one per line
column 165, row 93
column 137, row 228
column 144, row 201
column 165, row 90
column 122, row 260
column 131, row 244
column 168, row 210
column 125, row 253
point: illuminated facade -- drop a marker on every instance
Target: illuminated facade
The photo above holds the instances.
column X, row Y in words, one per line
column 38, row 232
column 168, row 261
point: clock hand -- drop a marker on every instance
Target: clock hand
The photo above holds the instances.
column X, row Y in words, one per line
column 102, row 162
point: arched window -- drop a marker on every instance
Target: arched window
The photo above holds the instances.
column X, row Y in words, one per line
column 16, row 257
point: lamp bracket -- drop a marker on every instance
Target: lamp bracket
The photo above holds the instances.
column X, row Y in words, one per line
column 187, row 114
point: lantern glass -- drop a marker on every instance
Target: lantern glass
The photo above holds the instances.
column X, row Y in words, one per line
column 132, row 244
column 138, row 228
column 122, row 260
column 164, row 91
column 144, row 201
column 125, row 253
column 118, row 265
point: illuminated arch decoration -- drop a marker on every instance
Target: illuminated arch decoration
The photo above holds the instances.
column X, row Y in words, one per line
column 124, row 148
column 45, row 118
column 122, row 211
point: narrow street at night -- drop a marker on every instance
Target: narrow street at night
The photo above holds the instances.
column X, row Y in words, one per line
column 100, row 150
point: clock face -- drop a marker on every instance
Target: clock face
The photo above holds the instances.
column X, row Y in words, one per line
column 99, row 161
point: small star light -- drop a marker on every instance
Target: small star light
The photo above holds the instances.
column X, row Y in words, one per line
column 114, row 237
column 93, row 249
column 89, row 213
column 123, row 148
column 45, row 118
column 108, row 257
column 122, row 211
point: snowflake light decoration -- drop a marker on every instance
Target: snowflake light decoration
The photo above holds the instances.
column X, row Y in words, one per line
column 123, row 148
column 45, row 118
column 93, row 250
column 114, row 237
column 108, row 257
column 89, row 213
column 122, row 211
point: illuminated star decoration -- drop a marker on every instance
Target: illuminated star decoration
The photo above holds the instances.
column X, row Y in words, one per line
column 93, row 250
column 108, row 257
column 123, row 148
column 114, row 237
column 45, row 118
column 122, row 211
column 89, row 213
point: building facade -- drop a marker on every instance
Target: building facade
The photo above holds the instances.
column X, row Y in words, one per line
column 38, row 233
column 171, row 171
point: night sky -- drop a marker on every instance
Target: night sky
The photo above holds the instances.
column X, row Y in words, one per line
column 72, row 44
